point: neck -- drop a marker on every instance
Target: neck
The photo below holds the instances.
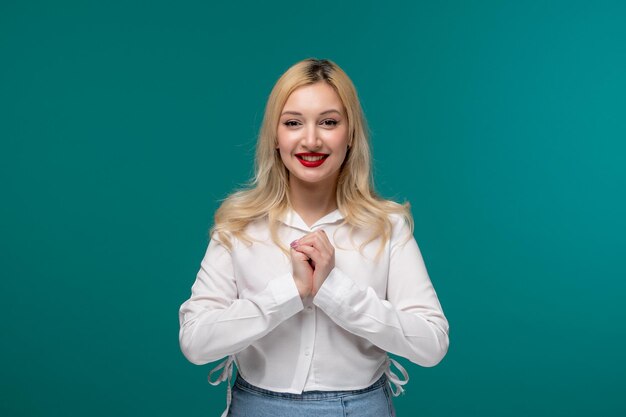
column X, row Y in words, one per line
column 312, row 201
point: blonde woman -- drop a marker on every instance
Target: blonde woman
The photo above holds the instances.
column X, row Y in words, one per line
column 310, row 279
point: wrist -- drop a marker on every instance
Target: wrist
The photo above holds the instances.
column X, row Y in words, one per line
column 303, row 290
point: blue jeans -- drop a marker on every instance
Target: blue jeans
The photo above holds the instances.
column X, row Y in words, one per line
column 251, row 401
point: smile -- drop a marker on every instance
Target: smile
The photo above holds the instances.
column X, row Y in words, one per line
column 311, row 160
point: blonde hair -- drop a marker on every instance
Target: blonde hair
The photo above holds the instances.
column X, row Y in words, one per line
column 268, row 192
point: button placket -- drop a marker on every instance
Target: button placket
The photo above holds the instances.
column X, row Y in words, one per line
column 308, row 331
column 309, row 335
column 307, row 346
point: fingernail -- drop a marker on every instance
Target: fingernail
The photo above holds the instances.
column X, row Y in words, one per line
column 294, row 243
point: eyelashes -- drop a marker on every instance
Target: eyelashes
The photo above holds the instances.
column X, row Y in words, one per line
column 326, row 122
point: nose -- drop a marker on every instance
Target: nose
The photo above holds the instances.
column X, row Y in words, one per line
column 311, row 140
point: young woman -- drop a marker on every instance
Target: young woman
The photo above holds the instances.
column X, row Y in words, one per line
column 310, row 278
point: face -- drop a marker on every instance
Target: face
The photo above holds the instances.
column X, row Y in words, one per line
column 313, row 135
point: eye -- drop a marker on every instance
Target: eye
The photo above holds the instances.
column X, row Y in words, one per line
column 291, row 123
column 330, row 122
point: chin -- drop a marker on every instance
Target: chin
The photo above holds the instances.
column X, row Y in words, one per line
column 314, row 179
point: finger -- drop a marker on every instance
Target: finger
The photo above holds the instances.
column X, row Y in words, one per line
column 322, row 243
column 317, row 257
column 317, row 239
column 326, row 241
column 309, row 251
column 297, row 255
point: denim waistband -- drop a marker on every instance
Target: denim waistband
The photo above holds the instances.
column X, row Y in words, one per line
column 308, row 395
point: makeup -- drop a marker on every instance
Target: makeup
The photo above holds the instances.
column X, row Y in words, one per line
column 311, row 159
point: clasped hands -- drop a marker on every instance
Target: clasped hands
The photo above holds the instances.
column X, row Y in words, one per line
column 312, row 258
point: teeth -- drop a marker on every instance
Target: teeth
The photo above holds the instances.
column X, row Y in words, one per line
column 312, row 158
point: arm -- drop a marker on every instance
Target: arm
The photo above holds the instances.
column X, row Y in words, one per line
column 214, row 322
column 409, row 323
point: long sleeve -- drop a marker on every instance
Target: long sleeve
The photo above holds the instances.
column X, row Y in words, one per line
column 409, row 322
column 214, row 322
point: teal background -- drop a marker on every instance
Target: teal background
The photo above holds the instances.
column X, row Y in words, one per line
column 123, row 123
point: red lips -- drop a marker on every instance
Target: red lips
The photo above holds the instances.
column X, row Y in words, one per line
column 311, row 159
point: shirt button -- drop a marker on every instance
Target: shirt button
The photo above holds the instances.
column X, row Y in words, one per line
column 307, row 352
column 309, row 309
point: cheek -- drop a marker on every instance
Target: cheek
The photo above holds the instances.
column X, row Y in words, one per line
column 283, row 155
column 339, row 140
column 285, row 140
column 284, row 151
column 280, row 142
column 344, row 154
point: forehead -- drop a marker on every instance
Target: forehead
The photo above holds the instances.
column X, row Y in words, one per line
column 312, row 98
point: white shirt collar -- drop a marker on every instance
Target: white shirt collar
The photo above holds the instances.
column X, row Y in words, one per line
column 292, row 218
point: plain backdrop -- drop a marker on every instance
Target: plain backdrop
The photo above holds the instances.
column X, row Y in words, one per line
column 123, row 124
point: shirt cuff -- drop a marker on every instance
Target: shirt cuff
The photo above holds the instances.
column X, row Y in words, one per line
column 286, row 296
column 333, row 291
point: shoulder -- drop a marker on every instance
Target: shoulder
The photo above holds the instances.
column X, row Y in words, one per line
column 254, row 230
column 257, row 228
column 397, row 219
column 401, row 228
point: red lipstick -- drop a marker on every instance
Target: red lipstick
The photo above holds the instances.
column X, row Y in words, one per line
column 311, row 159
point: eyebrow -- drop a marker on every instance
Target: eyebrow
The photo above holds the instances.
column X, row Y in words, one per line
column 300, row 114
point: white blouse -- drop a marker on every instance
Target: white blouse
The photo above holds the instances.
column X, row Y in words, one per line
column 245, row 306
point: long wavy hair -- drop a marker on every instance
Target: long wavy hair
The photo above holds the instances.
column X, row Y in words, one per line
column 267, row 194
